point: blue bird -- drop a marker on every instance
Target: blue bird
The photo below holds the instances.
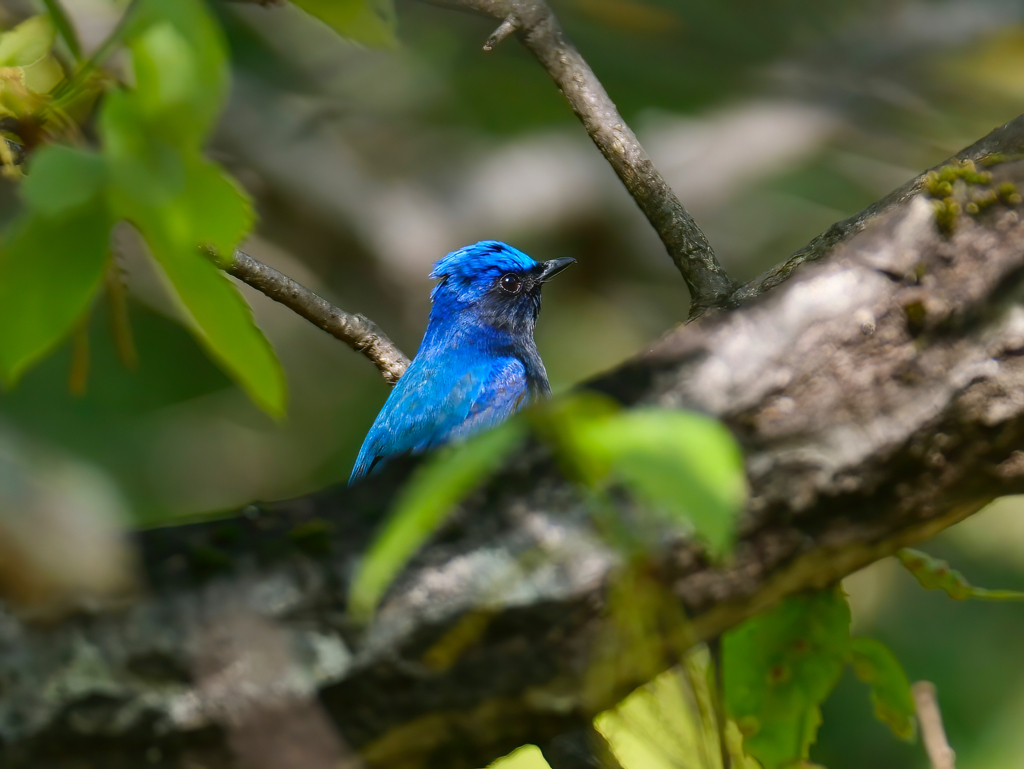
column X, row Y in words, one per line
column 477, row 364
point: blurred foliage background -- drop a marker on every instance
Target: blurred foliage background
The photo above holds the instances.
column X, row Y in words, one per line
column 770, row 118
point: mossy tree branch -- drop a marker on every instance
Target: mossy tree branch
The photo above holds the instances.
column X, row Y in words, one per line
column 876, row 394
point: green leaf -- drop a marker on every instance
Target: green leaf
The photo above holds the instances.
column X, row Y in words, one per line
column 50, row 268
column 181, row 69
column 152, row 136
column 934, row 574
column 28, row 42
column 778, row 667
column 371, row 22
column 891, row 697
column 437, row 486
column 224, row 325
column 683, row 464
column 209, row 209
column 189, row 204
column 63, row 178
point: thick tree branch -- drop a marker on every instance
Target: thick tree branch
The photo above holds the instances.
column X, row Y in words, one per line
column 877, row 397
column 357, row 331
column 538, row 29
column 1006, row 140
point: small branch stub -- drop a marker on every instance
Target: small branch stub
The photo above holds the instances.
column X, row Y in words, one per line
column 510, row 25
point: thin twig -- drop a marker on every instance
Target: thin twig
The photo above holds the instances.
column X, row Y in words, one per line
column 357, row 331
column 538, row 29
column 932, row 732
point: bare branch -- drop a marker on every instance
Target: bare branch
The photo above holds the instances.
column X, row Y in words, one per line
column 933, row 734
column 538, row 29
column 357, row 331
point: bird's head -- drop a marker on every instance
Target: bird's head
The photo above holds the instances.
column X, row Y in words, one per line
column 500, row 284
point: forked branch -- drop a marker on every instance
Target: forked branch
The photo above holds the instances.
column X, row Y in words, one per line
column 537, row 27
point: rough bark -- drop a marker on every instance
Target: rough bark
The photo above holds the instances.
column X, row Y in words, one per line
column 878, row 395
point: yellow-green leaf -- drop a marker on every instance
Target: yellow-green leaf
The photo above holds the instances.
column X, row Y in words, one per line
column 28, row 42
column 181, row 70
column 152, row 136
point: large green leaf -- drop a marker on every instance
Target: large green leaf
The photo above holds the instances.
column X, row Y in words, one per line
column 891, row 697
column 778, row 667
column 934, row 574
column 371, row 22
column 50, row 268
column 435, row 488
column 683, row 464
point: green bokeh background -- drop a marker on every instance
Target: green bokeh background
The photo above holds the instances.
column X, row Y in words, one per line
column 772, row 118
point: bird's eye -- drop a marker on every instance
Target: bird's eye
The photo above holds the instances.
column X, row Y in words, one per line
column 510, row 283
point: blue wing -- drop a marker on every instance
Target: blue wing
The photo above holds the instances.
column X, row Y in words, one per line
column 427, row 409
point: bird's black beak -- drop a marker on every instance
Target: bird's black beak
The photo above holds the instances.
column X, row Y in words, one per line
column 554, row 266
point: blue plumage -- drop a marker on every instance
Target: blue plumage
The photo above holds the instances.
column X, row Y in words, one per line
column 477, row 365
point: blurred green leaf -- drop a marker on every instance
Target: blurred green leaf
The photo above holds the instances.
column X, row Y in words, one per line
column 778, row 667
column 62, row 178
column 181, row 69
column 28, row 42
column 50, row 268
column 934, row 574
column 370, row 22
column 891, row 697
column 682, row 463
column 152, row 136
column 435, row 488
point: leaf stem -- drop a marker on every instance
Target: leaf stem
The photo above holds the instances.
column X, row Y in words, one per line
column 64, row 27
column 66, row 91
